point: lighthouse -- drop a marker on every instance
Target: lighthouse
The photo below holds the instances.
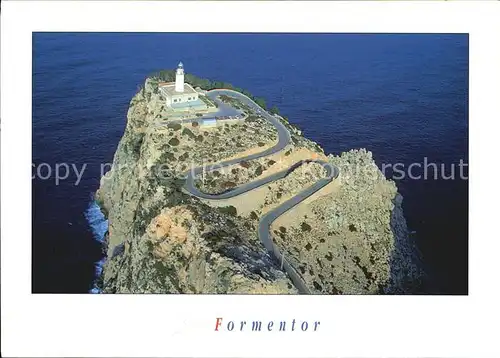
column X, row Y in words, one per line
column 179, row 78
column 181, row 96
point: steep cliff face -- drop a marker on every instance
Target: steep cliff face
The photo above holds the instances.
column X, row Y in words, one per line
column 350, row 237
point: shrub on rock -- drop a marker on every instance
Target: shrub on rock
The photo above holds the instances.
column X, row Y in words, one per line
column 173, row 142
column 174, row 126
column 305, row 226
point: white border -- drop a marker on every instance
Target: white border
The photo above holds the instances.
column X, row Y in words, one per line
column 89, row 325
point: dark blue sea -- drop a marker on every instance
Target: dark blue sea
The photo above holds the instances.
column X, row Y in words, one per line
column 402, row 96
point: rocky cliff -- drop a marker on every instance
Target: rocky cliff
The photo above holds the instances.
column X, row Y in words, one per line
column 349, row 238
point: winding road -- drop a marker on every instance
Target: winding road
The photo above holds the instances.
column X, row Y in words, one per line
column 266, row 220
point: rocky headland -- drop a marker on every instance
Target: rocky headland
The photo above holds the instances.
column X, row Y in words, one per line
column 350, row 237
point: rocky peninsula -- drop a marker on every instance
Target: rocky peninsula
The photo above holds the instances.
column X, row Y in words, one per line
column 349, row 237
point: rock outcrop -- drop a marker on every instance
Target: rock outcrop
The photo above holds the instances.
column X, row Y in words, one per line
column 353, row 240
column 349, row 238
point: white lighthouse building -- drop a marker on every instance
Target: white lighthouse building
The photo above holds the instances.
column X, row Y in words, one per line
column 179, row 78
column 180, row 95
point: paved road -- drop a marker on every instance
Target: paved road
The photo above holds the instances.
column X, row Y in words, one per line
column 267, row 219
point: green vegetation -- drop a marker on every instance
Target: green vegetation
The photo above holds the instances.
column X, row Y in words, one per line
column 231, row 210
column 138, row 144
column 173, row 142
column 261, row 102
column 174, row 126
column 166, row 273
column 133, row 146
column 274, row 110
column 305, row 226
column 166, row 157
column 317, row 286
column 329, row 257
column 184, row 156
column 228, row 185
column 211, row 237
column 187, row 132
column 225, row 99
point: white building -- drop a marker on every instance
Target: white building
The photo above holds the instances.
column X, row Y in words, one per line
column 208, row 123
column 180, row 95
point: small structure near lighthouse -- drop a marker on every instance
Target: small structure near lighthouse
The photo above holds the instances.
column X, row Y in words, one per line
column 180, row 95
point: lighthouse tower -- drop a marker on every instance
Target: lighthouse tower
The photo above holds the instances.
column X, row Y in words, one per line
column 179, row 78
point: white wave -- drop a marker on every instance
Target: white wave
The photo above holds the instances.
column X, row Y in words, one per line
column 99, row 226
column 97, row 221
